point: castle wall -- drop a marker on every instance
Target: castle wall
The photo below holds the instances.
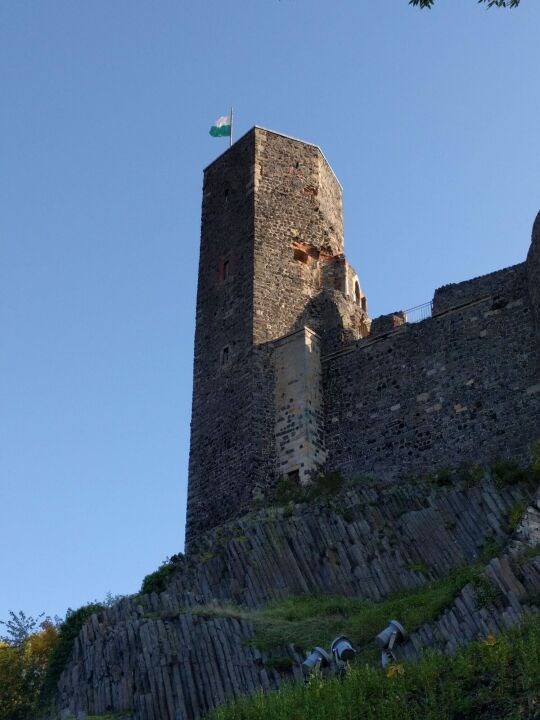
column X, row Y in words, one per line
column 458, row 387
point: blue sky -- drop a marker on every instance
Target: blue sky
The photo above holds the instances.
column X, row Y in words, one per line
column 429, row 119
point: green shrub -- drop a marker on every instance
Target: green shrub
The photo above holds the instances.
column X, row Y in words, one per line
column 329, row 483
column 490, row 548
column 515, row 514
column 67, row 633
column 286, row 491
column 158, row 580
column 322, row 485
column 473, row 474
column 508, row 472
column 486, row 592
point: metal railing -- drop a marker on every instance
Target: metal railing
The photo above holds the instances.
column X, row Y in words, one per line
column 418, row 313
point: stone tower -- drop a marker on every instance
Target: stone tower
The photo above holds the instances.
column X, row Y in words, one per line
column 274, row 292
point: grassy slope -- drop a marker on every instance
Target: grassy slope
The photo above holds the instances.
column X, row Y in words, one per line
column 491, row 678
column 307, row 621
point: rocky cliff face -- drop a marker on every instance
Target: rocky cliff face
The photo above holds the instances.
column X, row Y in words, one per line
column 160, row 658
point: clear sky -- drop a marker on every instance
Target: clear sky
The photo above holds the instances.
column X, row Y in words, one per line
column 430, row 119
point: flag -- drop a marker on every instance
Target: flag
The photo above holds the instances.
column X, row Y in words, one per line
column 222, row 127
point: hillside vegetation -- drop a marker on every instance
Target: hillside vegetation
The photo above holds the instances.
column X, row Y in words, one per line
column 492, row 679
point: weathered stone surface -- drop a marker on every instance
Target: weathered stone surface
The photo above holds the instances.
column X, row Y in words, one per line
column 159, row 659
column 455, row 388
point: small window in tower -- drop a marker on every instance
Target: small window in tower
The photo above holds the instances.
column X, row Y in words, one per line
column 224, row 270
column 294, row 477
column 225, row 355
column 357, row 291
column 364, row 304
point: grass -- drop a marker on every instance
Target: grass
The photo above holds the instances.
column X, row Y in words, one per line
column 306, row 621
column 309, row 620
column 515, row 514
column 493, row 678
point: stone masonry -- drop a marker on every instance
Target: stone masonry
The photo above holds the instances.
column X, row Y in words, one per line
column 290, row 372
column 271, row 263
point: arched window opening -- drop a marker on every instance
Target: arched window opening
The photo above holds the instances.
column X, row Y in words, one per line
column 364, row 304
column 224, row 270
column 357, row 291
column 225, row 355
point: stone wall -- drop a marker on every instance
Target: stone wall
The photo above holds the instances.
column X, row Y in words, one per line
column 458, row 387
column 222, row 449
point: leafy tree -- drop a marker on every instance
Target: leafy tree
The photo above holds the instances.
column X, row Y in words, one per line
column 489, row 3
column 67, row 633
column 24, row 656
column 14, row 704
column 19, row 628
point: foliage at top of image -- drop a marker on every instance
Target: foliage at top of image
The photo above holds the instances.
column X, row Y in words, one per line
column 489, row 3
column 494, row 678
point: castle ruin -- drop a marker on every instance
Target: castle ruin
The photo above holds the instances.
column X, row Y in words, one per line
column 291, row 374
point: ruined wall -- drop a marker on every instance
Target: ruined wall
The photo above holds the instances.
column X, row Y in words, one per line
column 458, row 387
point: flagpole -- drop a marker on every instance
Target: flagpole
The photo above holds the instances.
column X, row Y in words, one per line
column 231, row 135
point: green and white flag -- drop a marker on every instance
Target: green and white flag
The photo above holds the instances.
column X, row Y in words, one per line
column 222, row 127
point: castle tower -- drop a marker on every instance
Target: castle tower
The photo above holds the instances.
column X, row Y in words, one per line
column 274, row 292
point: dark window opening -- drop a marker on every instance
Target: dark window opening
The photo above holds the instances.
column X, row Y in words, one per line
column 357, row 291
column 225, row 355
column 224, row 269
column 294, row 477
column 364, row 304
